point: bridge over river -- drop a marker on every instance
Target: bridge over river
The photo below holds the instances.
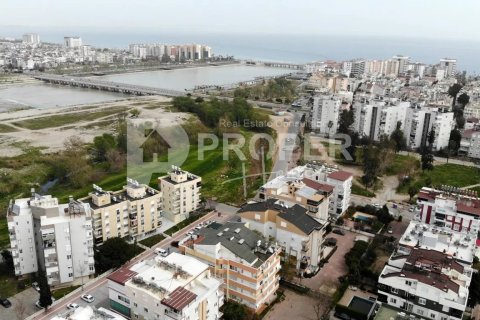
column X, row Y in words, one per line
column 93, row 83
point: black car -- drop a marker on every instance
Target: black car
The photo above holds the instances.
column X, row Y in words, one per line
column 5, row 302
column 339, row 231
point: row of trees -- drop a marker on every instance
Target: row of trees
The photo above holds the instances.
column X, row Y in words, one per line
column 214, row 112
column 278, row 89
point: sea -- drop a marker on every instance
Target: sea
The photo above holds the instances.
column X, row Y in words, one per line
column 282, row 48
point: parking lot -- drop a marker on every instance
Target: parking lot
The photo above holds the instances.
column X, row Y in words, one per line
column 326, row 280
column 23, row 305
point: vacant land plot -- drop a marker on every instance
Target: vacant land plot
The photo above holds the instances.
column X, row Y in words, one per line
column 64, row 119
column 153, row 240
column 6, row 128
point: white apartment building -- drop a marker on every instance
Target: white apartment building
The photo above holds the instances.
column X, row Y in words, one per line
column 72, row 42
column 325, row 114
column 449, row 207
column 426, row 284
column 181, row 194
column 134, row 211
column 326, row 181
column 378, row 116
column 248, row 264
column 419, row 123
column 298, row 233
column 175, row 287
column 31, row 38
column 56, row 238
column 449, row 66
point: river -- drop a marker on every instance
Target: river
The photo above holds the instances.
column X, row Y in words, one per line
column 46, row 95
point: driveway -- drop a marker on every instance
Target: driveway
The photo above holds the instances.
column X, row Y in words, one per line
column 326, row 280
column 23, row 305
column 295, row 306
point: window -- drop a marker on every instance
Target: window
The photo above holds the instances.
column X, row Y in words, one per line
column 393, row 300
column 394, row 290
column 432, row 315
column 135, row 304
column 408, row 283
column 257, row 216
column 283, row 224
column 146, row 310
column 420, row 312
column 422, row 301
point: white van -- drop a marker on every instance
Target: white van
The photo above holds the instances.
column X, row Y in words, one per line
column 161, row 252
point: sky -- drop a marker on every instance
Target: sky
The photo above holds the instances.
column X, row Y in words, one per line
column 437, row 19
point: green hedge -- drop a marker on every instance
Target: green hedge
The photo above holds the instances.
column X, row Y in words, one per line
column 179, row 226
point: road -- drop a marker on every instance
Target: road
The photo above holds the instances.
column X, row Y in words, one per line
column 286, row 146
column 98, row 287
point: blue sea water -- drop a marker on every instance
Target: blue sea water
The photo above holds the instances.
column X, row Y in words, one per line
column 288, row 48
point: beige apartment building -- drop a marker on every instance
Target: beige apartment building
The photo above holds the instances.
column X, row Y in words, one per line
column 181, row 194
column 248, row 264
column 134, row 211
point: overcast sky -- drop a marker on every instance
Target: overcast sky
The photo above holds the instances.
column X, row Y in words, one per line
column 407, row 18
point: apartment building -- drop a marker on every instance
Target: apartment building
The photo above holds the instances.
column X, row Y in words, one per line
column 325, row 114
column 449, row 66
column 402, row 62
column 293, row 189
column 175, row 287
column 449, row 207
column 134, row 211
column 299, row 235
column 31, row 38
column 421, row 120
column 248, row 264
column 181, row 194
column 376, row 117
column 426, row 284
column 72, row 42
column 52, row 237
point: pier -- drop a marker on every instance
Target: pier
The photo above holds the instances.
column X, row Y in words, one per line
column 272, row 64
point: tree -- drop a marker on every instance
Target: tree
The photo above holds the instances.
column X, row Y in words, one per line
column 101, row 145
column 398, row 138
column 412, row 191
column 233, row 311
column 427, row 159
column 371, row 165
column 455, row 139
column 134, row 113
column 453, row 92
column 45, row 294
column 112, row 254
column 8, row 260
column 463, row 99
column 345, row 121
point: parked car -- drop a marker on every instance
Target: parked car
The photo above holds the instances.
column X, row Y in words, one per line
column 190, row 233
column 174, row 244
column 390, row 230
column 72, row 306
column 161, row 252
column 339, row 232
column 411, row 209
column 330, row 242
column 5, row 302
column 36, row 286
column 87, row 298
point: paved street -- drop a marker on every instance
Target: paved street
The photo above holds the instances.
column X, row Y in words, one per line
column 27, row 298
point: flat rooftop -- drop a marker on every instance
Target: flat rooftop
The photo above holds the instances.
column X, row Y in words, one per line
column 460, row 245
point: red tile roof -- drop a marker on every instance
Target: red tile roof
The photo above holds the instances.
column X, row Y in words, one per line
column 179, row 299
column 122, row 275
column 318, row 186
column 340, row 175
column 437, row 280
column 469, row 209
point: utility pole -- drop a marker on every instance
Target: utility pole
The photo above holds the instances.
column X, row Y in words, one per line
column 262, row 152
column 244, row 181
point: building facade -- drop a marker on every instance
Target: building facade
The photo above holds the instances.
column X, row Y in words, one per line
column 247, row 263
column 52, row 237
column 181, row 194
column 134, row 212
column 299, row 235
column 325, row 114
